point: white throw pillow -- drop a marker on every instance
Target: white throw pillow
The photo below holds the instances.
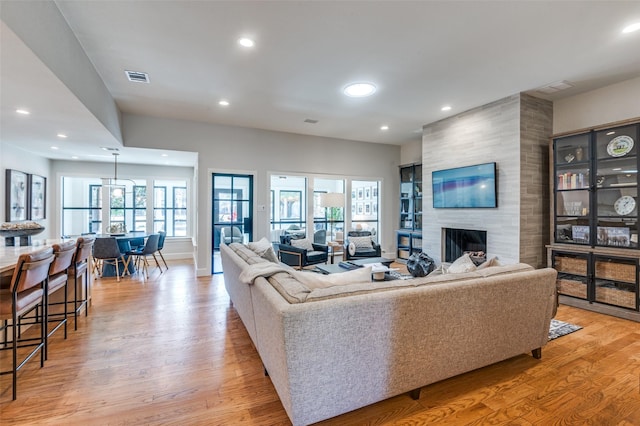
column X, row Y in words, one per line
column 352, row 249
column 315, row 280
column 361, row 242
column 264, row 249
column 303, row 243
column 462, row 264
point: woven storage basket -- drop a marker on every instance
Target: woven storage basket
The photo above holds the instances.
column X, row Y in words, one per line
column 616, row 297
column 571, row 265
column 616, row 271
column 572, row 288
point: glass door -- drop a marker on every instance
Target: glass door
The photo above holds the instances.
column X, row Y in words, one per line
column 232, row 212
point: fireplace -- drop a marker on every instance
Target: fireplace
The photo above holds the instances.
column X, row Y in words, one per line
column 460, row 241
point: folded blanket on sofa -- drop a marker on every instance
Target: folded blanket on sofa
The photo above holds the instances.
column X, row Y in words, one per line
column 263, row 269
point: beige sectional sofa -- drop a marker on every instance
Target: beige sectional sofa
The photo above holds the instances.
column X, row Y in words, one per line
column 333, row 350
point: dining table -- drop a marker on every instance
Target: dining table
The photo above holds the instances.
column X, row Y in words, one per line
column 9, row 254
column 126, row 242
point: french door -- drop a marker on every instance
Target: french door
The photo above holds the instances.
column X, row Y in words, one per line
column 232, row 212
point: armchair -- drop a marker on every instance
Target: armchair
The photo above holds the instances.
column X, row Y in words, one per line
column 230, row 234
column 301, row 252
column 363, row 245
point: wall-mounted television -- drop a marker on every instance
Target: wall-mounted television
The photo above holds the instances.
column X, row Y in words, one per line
column 465, row 187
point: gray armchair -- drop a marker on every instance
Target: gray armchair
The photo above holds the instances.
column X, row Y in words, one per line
column 230, row 234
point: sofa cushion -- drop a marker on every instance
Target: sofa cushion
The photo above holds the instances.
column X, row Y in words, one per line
column 361, row 243
column 303, row 243
column 290, row 288
column 504, row 269
column 462, row 264
column 264, row 249
column 246, row 254
column 314, row 280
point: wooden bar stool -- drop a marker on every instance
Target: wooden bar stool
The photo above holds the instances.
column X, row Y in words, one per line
column 58, row 277
column 27, row 291
column 79, row 268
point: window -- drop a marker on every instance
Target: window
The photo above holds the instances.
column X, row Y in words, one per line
column 364, row 206
column 81, row 205
column 288, row 211
column 127, row 206
column 170, row 207
column 328, row 206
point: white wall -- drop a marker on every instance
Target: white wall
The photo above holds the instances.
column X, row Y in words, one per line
column 259, row 152
column 411, row 152
column 612, row 103
column 12, row 157
column 490, row 133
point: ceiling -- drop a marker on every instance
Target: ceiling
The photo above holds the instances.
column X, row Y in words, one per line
column 421, row 55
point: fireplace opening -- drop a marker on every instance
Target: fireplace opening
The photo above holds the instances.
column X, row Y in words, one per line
column 460, row 241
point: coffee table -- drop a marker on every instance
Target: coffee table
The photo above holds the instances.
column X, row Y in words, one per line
column 336, row 269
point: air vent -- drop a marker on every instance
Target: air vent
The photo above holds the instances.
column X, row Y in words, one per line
column 310, row 121
column 107, row 148
column 555, row 87
column 137, row 76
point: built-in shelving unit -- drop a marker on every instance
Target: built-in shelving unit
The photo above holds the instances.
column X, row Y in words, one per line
column 595, row 219
column 409, row 236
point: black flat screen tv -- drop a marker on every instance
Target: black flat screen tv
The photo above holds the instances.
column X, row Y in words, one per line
column 465, row 187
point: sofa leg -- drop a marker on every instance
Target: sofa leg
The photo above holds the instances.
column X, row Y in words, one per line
column 415, row 394
column 537, row 353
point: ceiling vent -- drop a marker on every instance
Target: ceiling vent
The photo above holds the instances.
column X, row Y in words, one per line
column 137, row 76
column 108, row 148
column 310, row 121
column 555, row 87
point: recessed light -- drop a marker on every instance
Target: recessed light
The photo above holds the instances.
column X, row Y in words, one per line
column 23, row 111
column 164, row 155
column 74, row 157
column 631, row 28
column 223, row 103
column 246, row 42
column 359, row 90
column 611, row 133
column 445, row 108
column 54, row 147
column 62, row 135
column 384, row 127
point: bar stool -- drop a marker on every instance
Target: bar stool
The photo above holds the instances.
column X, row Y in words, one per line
column 27, row 291
column 58, row 277
column 80, row 267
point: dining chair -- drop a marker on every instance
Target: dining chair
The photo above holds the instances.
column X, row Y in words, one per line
column 149, row 249
column 58, row 277
column 27, row 290
column 163, row 235
column 107, row 251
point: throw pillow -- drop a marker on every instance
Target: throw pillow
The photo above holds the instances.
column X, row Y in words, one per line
column 462, row 264
column 361, row 242
column 491, row 262
column 264, row 249
column 303, row 243
column 315, row 280
column 352, row 249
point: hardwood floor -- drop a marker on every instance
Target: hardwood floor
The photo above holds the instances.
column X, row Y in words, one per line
column 171, row 350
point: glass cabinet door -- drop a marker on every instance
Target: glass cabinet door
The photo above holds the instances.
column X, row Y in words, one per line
column 572, row 273
column 616, row 281
column 617, row 187
column 572, row 182
column 406, row 197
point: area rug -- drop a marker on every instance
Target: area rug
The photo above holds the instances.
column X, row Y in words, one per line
column 560, row 328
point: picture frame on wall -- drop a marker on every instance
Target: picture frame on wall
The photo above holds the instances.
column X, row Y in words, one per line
column 38, row 198
column 367, row 193
column 16, row 192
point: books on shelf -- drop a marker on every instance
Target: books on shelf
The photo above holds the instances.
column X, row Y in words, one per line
column 570, row 180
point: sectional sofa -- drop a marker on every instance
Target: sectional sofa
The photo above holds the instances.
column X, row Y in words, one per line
column 332, row 349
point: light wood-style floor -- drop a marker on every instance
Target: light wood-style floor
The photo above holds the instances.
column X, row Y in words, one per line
column 172, row 351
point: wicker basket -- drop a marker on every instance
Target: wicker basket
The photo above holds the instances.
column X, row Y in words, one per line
column 614, row 296
column 571, row 265
column 572, row 288
column 616, row 271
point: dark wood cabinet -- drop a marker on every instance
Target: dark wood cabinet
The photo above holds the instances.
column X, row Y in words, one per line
column 409, row 236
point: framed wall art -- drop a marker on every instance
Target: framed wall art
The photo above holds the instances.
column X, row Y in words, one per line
column 16, row 201
column 38, row 199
